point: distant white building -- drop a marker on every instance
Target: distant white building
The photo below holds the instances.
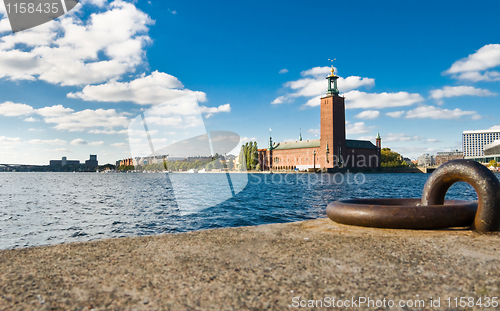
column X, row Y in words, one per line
column 426, row 160
column 474, row 141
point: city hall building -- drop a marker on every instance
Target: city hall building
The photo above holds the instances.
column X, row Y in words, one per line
column 331, row 151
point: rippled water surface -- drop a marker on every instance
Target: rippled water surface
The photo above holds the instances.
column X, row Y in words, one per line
column 51, row 208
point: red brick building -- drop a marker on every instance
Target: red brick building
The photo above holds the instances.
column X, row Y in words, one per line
column 331, row 151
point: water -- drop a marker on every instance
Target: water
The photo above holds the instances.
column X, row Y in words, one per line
column 50, row 208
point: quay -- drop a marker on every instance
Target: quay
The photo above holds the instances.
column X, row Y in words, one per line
column 253, row 268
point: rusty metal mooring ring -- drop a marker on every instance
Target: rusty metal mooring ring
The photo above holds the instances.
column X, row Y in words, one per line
column 480, row 178
column 431, row 211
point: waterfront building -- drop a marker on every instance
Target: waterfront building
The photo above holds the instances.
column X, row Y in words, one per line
column 426, row 160
column 64, row 162
column 492, row 151
column 332, row 150
column 474, row 142
column 446, row 156
column 92, row 162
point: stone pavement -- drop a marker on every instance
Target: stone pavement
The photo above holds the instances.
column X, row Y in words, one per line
column 271, row 267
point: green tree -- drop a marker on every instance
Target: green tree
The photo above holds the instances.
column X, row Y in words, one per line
column 242, row 159
column 230, row 164
column 257, row 167
column 255, row 156
column 390, row 158
column 493, row 163
column 248, row 156
column 217, row 164
column 209, row 166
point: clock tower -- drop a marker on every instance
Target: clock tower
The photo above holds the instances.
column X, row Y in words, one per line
column 332, row 128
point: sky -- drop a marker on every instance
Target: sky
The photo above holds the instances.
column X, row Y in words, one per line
column 420, row 73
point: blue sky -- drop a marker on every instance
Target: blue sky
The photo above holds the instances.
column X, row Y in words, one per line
column 420, row 72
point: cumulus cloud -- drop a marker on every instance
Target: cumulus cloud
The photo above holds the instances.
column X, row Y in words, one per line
column 437, row 113
column 99, row 120
column 395, row 114
column 10, row 109
column 72, row 51
column 357, row 99
column 78, row 141
column 477, row 66
column 108, row 132
column 400, row 137
column 357, row 128
column 31, row 119
column 432, row 140
column 97, row 143
column 54, row 111
column 455, row 91
column 47, row 142
column 314, row 84
column 10, row 140
column 89, row 119
column 283, row 71
column 368, row 114
column 99, row 3
column 211, row 110
column 156, row 88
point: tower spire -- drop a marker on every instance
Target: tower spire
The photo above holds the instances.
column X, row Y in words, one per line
column 332, row 79
column 378, row 140
column 270, row 147
column 300, row 137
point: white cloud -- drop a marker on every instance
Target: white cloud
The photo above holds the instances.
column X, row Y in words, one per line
column 400, row 137
column 357, row 99
column 432, row 140
column 10, row 140
column 156, row 88
column 108, row 132
column 211, row 110
column 47, row 142
column 357, row 128
column 283, row 71
column 31, row 119
column 89, row 119
column 395, row 114
column 120, row 145
column 54, row 111
column 99, row 3
column 314, row 84
column 494, row 128
column 78, row 141
column 437, row 113
column 10, row 109
column 476, row 66
column 455, row 91
column 97, row 143
column 368, row 114
column 71, row 51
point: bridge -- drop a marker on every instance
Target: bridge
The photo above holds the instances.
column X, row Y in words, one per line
column 427, row 169
column 16, row 167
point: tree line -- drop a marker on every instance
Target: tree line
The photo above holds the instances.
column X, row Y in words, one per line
column 249, row 157
column 217, row 162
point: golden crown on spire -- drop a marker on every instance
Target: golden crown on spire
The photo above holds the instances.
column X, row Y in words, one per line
column 333, row 69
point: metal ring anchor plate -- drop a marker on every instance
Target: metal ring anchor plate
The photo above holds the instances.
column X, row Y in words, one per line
column 431, row 211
